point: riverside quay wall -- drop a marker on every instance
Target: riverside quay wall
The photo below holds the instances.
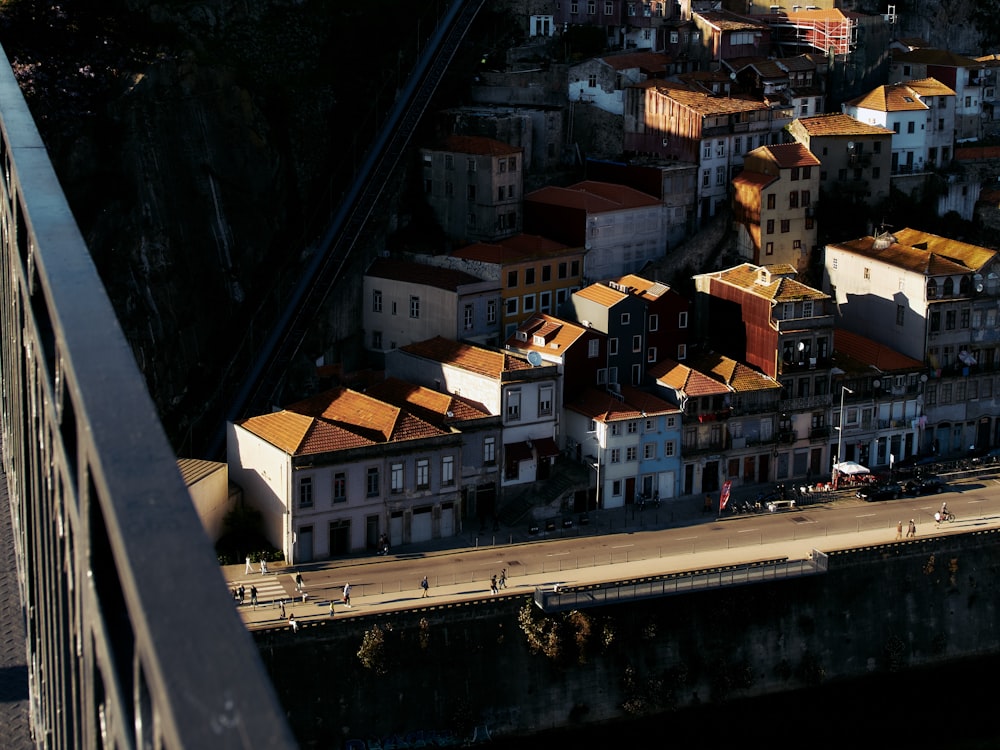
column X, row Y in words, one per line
column 504, row 664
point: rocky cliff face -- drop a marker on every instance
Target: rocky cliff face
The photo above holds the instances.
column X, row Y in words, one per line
column 199, row 144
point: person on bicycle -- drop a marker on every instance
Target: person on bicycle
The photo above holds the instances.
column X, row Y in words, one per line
column 944, row 509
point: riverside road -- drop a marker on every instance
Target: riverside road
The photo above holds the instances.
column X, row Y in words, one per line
column 615, row 545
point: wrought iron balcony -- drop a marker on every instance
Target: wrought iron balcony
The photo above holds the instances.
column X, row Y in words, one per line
column 132, row 636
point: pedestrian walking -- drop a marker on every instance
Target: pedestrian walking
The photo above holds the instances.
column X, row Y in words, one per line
column 502, row 583
column 911, row 529
column 282, row 605
column 347, row 594
column 298, row 582
column 331, row 608
column 294, row 623
column 248, row 570
column 424, row 585
column 242, row 592
column 493, row 584
column 253, row 596
column 899, row 530
column 263, row 566
column 236, row 594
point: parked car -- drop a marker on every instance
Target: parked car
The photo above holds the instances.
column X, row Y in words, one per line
column 874, row 492
column 990, row 457
column 925, row 486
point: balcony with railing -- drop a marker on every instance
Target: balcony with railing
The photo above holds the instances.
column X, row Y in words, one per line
column 807, row 403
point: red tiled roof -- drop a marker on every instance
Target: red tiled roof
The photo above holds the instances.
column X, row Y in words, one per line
column 602, row 406
column 738, row 376
column 477, row 145
column 779, row 289
column 602, row 294
column 871, row 353
column 514, row 249
column 756, row 180
column 931, row 56
column 593, row 196
column 433, row 406
column 922, row 253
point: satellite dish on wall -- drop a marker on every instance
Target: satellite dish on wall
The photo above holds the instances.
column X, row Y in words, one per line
column 535, row 359
column 977, row 282
column 802, row 346
column 850, row 145
column 877, row 383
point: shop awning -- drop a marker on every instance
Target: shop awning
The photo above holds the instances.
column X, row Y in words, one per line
column 851, row 467
column 546, row 447
column 517, row 452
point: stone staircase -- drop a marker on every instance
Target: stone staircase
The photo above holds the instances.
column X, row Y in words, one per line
column 566, row 478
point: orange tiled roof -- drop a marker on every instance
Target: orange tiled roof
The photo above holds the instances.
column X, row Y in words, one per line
column 780, row 289
column 644, row 287
column 840, row 124
column 788, row 155
column 681, row 377
column 705, row 104
column 726, row 21
column 757, row 180
column 557, row 333
column 467, row 357
column 602, row 294
column 923, row 253
column 602, row 406
column 871, row 353
column 738, row 376
column 901, row 97
column 433, row 406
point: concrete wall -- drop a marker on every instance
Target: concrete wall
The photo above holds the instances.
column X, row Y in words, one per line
column 877, row 611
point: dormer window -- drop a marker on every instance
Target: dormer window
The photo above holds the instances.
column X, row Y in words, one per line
column 932, row 289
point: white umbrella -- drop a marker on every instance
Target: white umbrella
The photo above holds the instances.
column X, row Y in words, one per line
column 851, row 467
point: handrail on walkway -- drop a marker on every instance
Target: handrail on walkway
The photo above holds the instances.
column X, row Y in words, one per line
column 131, row 641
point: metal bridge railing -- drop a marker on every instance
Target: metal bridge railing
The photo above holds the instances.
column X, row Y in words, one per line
column 132, row 640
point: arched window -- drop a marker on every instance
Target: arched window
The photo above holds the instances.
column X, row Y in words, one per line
column 964, row 286
column 949, row 287
column 932, row 289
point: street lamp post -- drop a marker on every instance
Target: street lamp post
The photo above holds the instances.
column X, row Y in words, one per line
column 840, row 432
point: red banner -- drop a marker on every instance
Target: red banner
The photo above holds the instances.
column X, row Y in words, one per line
column 724, row 495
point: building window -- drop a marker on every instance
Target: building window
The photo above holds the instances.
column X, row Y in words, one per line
column 396, row 478
column 706, row 177
column 636, row 374
column 372, row 483
column 545, row 302
column 793, row 199
column 681, row 352
column 669, row 448
column 414, row 307
column 511, row 307
column 616, row 455
column 305, row 492
column 470, row 192
column 910, row 127
column 470, row 165
column 795, row 173
column 529, row 276
column 785, row 226
column 613, row 346
column 770, row 200
column 637, row 343
column 720, row 148
column 511, row 279
column 467, row 317
column 654, row 322
column 528, row 303
column 806, row 199
column 593, row 348
column 682, row 320
column 964, row 318
column 651, row 355
column 949, row 320
column 706, row 151
column 545, row 402
column 340, row 487
column 423, row 473
column 448, row 471
column 649, row 451
column 631, row 453
column 376, row 301
column 562, row 270
column 513, row 406
column 720, row 175
column 489, row 451
column 376, row 339
column 769, row 248
column 449, row 161
column 769, row 227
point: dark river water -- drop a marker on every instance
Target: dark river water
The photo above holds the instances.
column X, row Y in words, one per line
column 954, row 708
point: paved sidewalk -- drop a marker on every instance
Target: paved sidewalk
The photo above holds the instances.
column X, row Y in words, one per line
column 365, row 600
